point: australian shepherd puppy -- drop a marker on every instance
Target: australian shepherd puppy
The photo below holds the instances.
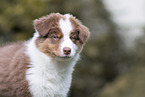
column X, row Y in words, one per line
column 43, row 65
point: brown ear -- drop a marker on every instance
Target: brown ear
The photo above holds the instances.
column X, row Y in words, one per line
column 84, row 34
column 44, row 24
column 42, row 27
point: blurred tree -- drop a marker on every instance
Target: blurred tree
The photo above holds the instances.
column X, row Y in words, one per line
column 132, row 83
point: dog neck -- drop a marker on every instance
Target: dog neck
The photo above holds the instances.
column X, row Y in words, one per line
column 50, row 75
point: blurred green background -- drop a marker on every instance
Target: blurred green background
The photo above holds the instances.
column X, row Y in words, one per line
column 107, row 67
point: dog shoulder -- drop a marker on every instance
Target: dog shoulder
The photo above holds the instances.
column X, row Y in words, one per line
column 13, row 64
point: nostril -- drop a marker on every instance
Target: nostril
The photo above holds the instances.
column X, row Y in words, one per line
column 66, row 50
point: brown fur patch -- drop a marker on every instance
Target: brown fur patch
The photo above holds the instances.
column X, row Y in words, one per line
column 13, row 65
column 48, row 46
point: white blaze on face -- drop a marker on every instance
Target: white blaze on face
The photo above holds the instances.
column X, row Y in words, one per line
column 66, row 28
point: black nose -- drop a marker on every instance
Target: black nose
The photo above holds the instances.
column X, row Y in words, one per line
column 67, row 50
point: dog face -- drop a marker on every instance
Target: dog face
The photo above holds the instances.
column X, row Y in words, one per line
column 60, row 36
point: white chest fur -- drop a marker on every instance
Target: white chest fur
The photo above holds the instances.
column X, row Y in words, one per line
column 46, row 76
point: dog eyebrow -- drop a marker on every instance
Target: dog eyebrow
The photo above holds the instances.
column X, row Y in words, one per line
column 56, row 30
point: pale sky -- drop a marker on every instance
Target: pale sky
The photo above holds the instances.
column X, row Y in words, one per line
column 128, row 15
column 127, row 12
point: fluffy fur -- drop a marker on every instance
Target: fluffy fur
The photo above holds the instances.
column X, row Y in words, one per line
column 43, row 66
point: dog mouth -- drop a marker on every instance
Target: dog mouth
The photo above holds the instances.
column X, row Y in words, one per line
column 65, row 57
column 61, row 56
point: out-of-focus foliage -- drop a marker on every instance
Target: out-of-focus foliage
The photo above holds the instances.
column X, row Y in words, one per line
column 132, row 83
column 103, row 59
column 16, row 18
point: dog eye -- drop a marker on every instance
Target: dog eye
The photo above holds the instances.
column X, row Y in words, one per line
column 53, row 36
column 75, row 36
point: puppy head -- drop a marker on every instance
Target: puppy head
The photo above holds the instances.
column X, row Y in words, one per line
column 60, row 36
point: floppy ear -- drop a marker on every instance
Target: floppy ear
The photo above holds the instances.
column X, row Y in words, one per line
column 84, row 34
column 44, row 24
